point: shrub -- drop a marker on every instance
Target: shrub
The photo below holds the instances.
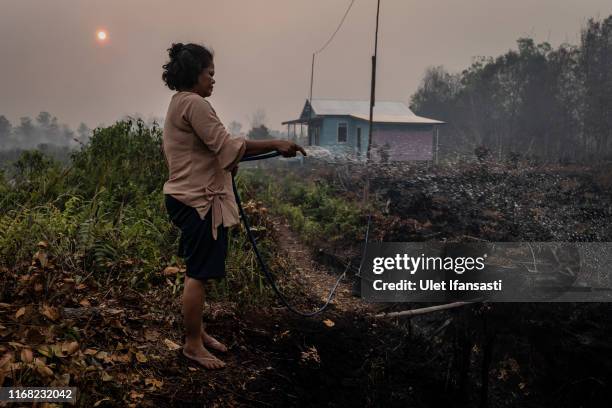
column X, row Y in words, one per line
column 312, row 208
column 104, row 215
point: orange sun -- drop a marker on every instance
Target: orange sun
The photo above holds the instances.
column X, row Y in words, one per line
column 102, row 35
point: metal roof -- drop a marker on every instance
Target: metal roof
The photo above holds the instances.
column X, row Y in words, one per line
column 384, row 112
column 379, row 118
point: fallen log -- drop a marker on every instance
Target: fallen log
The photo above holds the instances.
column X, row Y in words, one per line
column 81, row 312
column 423, row 310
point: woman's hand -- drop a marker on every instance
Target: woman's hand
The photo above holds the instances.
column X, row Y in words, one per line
column 284, row 147
column 289, row 149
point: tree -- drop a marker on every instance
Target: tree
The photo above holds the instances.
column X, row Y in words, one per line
column 5, row 132
column 437, row 92
column 235, row 127
column 48, row 128
column 25, row 132
column 259, row 133
column 30, row 165
column 67, row 135
column 84, row 132
column 437, row 97
column 43, row 119
column 568, row 103
column 258, row 118
column 532, row 101
column 595, row 62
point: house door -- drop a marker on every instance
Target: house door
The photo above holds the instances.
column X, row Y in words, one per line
column 313, row 133
column 358, row 141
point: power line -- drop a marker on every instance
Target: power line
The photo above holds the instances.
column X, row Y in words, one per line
column 337, row 29
column 321, row 49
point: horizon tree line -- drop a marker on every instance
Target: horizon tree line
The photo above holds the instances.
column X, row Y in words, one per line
column 535, row 101
column 44, row 130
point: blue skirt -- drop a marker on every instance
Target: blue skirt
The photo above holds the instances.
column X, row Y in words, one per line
column 204, row 256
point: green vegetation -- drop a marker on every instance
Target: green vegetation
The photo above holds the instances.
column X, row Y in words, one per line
column 313, row 207
column 103, row 215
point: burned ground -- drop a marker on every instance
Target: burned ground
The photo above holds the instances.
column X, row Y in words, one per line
column 121, row 346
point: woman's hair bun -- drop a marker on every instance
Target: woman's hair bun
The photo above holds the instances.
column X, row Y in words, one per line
column 175, row 49
column 183, row 69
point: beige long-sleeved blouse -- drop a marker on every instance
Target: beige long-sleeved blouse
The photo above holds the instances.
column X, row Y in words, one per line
column 200, row 154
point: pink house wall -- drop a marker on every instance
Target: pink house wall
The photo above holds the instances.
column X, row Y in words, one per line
column 405, row 144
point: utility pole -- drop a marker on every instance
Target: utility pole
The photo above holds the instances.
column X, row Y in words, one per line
column 311, row 76
column 310, row 130
column 366, row 191
column 373, row 82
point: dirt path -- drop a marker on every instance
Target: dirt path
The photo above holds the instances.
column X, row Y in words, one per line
column 316, row 279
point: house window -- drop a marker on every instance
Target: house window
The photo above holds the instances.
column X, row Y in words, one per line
column 342, row 133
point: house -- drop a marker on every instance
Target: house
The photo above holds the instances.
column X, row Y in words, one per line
column 343, row 127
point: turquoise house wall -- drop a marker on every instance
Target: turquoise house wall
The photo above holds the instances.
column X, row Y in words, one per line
column 329, row 133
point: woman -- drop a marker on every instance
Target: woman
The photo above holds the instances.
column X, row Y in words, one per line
column 202, row 157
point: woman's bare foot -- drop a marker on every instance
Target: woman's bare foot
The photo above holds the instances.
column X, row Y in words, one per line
column 203, row 357
column 211, row 342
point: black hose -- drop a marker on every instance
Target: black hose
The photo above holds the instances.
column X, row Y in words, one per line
column 260, row 156
column 260, row 260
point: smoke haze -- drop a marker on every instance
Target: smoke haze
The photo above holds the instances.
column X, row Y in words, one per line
column 52, row 62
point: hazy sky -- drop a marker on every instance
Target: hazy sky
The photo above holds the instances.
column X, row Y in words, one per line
column 50, row 60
